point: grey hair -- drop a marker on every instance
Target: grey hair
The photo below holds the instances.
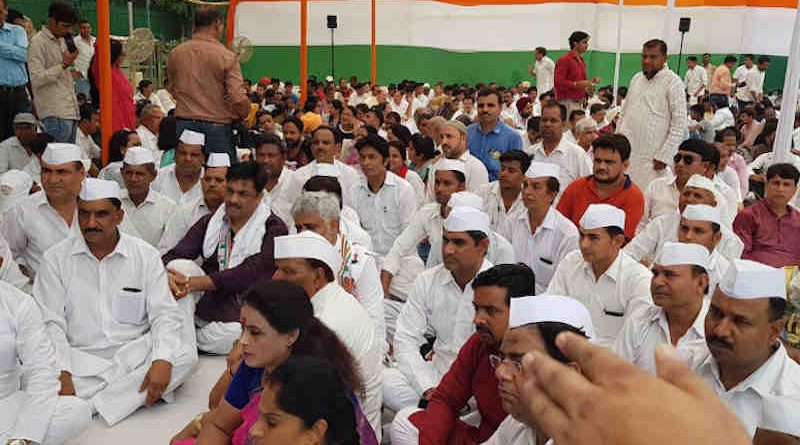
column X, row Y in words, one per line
column 147, row 108
column 587, row 123
column 324, row 204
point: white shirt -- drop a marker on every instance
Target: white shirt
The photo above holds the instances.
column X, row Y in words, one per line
column 435, row 305
column 739, row 76
column 654, row 116
column 611, row 299
column 277, row 199
column 696, row 80
column 513, row 432
column 25, row 350
column 570, row 157
column 13, row 156
column 660, row 198
column 149, row 140
column 151, row 216
column 347, row 178
column 755, row 83
column 85, row 54
column 493, row 205
column 34, row 168
column 358, row 99
column 386, row 213
column 723, row 118
column 153, row 99
column 416, row 183
column 113, row 172
column 130, row 298
column 544, row 250
column 545, row 74
column 167, row 184
column 646, row 329
column 729, row 176
column 89, row 149
column 796, row 138
column 471, row 115
column 399, row 108
column 732, row 198
column 474, row 171
column 182, row 219
column 167, row 103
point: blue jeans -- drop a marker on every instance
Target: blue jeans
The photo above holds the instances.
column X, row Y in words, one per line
column 219, row 137
column 62, row 130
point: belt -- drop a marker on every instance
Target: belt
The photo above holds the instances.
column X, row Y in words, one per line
column 200, row 121
column 8, row 89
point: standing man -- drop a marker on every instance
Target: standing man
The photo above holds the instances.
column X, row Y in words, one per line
column 85, row 44
column 50, row 60
column 571, row 85
column 13, row 75
column 654, row 115
column 743, row 97
column 695, row 80
column 721, row 84
column 544, row 70
column 755, row 81
column 710, row 68
column 488, row 138
column 554, row 148
column 206, row 82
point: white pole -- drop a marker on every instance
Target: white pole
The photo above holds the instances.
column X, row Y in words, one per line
column 617, row 56
column 783, row 138
column 130, row 18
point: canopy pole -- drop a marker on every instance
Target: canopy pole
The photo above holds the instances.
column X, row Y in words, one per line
column 618, row 55
column 373, row 51
column 104, row 62
column 783, row 138
column 303, row 51
column 231, row 23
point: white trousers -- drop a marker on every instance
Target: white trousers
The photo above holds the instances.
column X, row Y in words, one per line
column 213, row 337
column 70, row 418
column 642, row 172
column 403, row 432
column 398, row 393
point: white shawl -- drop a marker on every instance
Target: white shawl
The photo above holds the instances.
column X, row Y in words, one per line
column 247, row 241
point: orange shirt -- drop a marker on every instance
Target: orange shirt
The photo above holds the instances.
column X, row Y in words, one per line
column 583, row 192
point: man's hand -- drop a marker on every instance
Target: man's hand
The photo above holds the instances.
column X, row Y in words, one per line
column 612, row 401
column 658, row 165
column 386, row 281
column 156, row 381
column 67, row 387
column 68, row 58
column 178, row 283
column 584, row 84
column 428, row 394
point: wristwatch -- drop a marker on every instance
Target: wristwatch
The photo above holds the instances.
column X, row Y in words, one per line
column 19, row 442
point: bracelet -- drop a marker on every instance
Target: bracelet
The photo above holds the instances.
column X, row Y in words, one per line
column 198, row 422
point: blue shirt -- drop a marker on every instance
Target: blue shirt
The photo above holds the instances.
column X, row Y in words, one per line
column 245, row 384
column 13, row 55
column 489, row 146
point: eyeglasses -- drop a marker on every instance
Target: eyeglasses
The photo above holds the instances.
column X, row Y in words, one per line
column 687, row 159
column 496, row 361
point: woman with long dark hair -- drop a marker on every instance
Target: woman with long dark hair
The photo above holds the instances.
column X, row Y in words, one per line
column 122, row 105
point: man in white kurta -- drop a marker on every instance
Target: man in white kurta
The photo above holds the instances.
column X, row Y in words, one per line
column 120, row 339
column 36, row 412
column 679, row 284
column 542, row 237
column 653, row 115
column 503, row 198
column 310, row 261
column 181, row 181
column 608, row 282
column 454, row 147
column 270, row 155
column 440, row 303
column 556, row 149
column 147, row 209
column 695, row 80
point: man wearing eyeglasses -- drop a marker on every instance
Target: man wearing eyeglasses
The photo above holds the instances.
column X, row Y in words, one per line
column 471, row 374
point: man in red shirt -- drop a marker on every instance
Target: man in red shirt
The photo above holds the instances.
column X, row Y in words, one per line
column 571, row 84
column 471, row 374
column 608, row 185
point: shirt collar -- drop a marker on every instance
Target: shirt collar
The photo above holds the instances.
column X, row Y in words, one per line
column 446, row 276
column 323, row 296
column 613, row 272
column 123, row 248
column 698, row 326
column 47, row 33
column 762, row 380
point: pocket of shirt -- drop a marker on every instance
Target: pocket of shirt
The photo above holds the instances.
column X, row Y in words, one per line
column 8, row 353
column 129, row 307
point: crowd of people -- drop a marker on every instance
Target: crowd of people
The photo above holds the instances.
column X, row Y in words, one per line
column 547, row 262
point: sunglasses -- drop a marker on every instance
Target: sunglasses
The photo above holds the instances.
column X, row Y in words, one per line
column 687, row 159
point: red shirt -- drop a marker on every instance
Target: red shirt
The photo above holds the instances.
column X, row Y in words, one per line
column 570, row 68
column 583, row 191
column 471, row 374
column 768, row 239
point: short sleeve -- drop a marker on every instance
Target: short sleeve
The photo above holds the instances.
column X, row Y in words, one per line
column 245, row 383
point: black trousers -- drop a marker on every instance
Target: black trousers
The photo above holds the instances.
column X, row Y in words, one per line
column 13, row 100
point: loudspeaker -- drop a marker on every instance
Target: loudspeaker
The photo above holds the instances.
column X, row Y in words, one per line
column 332, row 22
column 684, row 24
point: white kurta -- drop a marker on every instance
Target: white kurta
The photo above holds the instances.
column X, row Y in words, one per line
column 89, row 149
column 149, row 140
column 513, row 432
column 545, row 74
column 386, row 213
column 112, row 172
column 151, row 216
column 695, row 81
column 620, row 291
column 9, row 269
column 278, row 198
column 543, row 250
column 573, row 161
column 474, row 171
column 36, row 412
column 654, row 121
column 184, row 217
column 12, row 155
column 109, row 319
column 167, row 184
column 416, row 183
column 493, row 205
column 347, row 178
column 741, row 75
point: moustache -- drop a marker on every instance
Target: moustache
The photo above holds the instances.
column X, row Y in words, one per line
column 92, row 230
column 718, row 342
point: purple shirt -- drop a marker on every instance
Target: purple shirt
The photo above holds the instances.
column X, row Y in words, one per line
column 768, row 239
column 223, row 303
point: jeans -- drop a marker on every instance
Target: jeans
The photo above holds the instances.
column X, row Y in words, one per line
column 219, row 137
column 63, row 130
column 12, row 101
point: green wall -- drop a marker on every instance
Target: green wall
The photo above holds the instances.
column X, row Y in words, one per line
column 396, row 63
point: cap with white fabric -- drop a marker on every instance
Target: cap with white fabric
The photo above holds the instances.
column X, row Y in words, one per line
column 321, row 169
column 701, row 182
column 550, row 308
column 190, row 137
column 465, row 199
column 543, row 170
column 467, row 219
column 218, row 160
column 25, row 118
column 59, row 153
column 598, row 216
column 747, row 279
column 454, row 165
column 94, row 189
column 702, row 212
column 676, row 254
column 308, row 245
column 138, row 156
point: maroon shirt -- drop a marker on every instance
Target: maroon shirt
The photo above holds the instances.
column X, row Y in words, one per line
column 470, row 375
column 223, row 303
column 768, row 239
column 570, row 68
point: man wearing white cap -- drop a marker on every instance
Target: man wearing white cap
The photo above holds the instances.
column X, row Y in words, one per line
column 453, row 139
column 186, row 215
column 503, row 198
column 181, row 181
column 441, row 303
column 542, row 237
column 556, row 149
column 15, row 152
column 234, row 245
column 500, row 250
column 120, row 339
column 608, row 282
column 745, row 362
column 679, row 285
column 270, row 155
column 147, row 209
column 533, row 325
column 319, row 212
column 311, row 262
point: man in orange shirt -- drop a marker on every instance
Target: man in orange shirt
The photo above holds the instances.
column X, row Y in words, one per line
column 608, row 185
column 721, row 84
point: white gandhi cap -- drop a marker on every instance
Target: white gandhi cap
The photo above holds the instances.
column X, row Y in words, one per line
column 702, row 212
column 465, row 199
column 193, row 138
column 747, row 279
column 701, row 182
column 308, row 245
column 218, row 160
column 451, row 164
column 57, row 153
column 466, row 219
column 676, row 254
column 543, row 170
column 138, row 156
column 598, row 216
column 94, row 189
column 550, row 308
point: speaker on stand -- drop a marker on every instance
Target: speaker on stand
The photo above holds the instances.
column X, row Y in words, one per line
column 333, row 23
column 683, row 27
